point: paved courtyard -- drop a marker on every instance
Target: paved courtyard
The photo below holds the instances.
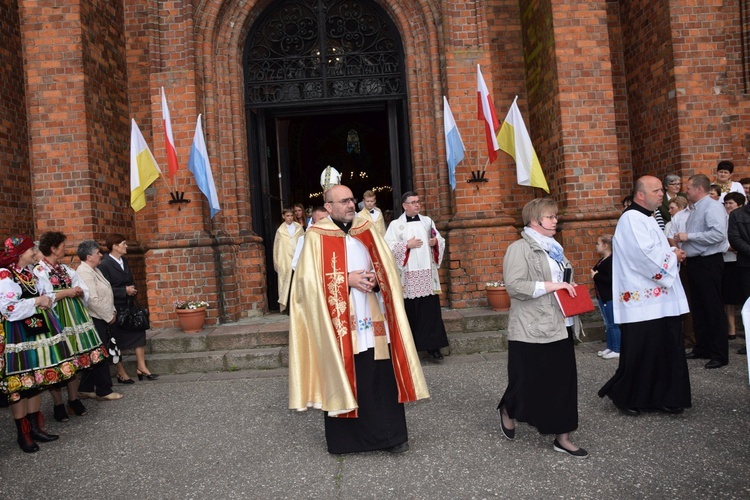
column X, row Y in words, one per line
column 229, row 435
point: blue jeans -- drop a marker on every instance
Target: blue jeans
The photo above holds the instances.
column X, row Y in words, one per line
column 612, row 329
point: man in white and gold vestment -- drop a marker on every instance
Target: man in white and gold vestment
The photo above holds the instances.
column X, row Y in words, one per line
column 351, row 352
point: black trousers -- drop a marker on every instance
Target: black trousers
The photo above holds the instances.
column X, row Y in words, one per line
column 97, row 378
column 709, row 318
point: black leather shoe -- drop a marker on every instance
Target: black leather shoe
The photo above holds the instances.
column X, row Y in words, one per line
column 631, row 412
column 714, row 364
column 125, row 381
column 436, row 355
column 399, row 448
column 693, row 355
column 60, row 414
column 673, row 410
column 38, row 433
column 509, row 434
column 579, row 453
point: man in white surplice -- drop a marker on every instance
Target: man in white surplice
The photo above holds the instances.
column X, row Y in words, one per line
column 418, row 249
column 648, row 302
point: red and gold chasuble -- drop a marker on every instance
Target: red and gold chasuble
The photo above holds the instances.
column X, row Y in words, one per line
column 336, row 286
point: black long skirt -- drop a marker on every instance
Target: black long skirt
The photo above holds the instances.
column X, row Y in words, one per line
column 543, row 385
column 381, row 422
column 653, row 372
column 426, row 322
column 127, row 339
column 731, row 285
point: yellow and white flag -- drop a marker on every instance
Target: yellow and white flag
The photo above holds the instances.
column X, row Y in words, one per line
column 143, row 168
column 514, row 139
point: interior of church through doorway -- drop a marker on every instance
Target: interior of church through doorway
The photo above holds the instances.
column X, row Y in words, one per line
column 324, row 85
column 360, row 142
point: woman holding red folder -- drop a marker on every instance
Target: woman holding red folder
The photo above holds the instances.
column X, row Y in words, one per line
column 542, row 378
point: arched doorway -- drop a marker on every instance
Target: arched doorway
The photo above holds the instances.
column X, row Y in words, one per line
column 324, row 85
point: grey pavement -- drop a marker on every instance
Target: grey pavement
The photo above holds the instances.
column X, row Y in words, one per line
column 229, row 435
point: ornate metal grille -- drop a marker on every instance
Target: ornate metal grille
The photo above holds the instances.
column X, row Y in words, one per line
column 311, row 50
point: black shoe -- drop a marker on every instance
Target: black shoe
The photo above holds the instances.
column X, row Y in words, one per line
column 714, row 364
column 399, row 448
column 629, row 411
column 60, row 414
column 436, row 355
column 509, row 434
column 673, row 410
column 579, row 453
column 77, row 407
column 24, row 436
column 693, row 355
column 38, row 433
column 125, row 381
column 732, row 337
column 148, row 376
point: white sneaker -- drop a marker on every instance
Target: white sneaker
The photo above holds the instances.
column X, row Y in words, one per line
column 611, row 355
column 603, row 353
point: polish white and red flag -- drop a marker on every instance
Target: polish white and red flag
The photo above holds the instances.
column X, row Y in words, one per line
column 172, row 164
column 486, row 113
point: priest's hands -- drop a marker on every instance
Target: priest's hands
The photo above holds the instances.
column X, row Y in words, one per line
column 413, row 242
column 362, row 281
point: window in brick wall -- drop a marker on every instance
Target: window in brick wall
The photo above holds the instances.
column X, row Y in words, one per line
column 745, row 37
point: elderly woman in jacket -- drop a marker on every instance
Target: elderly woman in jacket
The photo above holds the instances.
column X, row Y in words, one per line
column 97, row 383
column 542, row 380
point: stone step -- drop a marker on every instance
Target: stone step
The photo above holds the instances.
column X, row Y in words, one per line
column 262, row 343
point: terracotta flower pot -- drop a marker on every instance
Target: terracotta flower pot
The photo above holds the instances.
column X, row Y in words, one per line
column 191, row 320
column 498, row 298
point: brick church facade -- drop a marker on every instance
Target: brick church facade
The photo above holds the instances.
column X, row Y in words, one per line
column 610, row 90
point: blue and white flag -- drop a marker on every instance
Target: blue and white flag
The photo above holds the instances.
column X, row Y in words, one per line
column 199, row 165
column 454, row 145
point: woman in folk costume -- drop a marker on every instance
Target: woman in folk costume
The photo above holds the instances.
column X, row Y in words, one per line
column 350, row 348
column 71, row 293
column 284, row 245
column 35, row 353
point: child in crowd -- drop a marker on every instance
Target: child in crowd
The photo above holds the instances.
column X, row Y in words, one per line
column 602, row 276
column 283, row 251
column 715, row 192
column 370, row 211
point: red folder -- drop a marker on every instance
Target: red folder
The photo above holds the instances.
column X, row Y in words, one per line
column 573, row 306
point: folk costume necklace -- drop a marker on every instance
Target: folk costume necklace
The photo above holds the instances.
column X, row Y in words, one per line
column 25, row 278
column 58, row 276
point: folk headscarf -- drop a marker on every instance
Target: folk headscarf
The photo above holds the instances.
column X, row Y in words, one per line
column 14, row 247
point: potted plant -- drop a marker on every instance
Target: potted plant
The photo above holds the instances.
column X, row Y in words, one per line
column 191, row 314
column 497, row 295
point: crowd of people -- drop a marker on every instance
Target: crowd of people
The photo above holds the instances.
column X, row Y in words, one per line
column 363, row 299
column 59, row 329
column 353, row 354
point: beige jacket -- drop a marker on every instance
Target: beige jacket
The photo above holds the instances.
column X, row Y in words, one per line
column 534, row 320
column 101, row 302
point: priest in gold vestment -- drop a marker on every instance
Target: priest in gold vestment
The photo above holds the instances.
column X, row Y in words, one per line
column 351, row 353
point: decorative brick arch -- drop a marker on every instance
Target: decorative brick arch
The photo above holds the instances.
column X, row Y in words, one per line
column 221, row 30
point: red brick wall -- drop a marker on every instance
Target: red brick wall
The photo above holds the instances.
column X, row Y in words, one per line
column 15, row 198
column 609, row 91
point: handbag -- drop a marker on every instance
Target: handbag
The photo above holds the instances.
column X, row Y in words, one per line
column 133, row 318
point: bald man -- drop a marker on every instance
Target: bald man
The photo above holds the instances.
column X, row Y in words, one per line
column 648, row 301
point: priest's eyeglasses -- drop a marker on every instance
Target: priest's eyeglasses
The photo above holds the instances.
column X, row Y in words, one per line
column 346, row 201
